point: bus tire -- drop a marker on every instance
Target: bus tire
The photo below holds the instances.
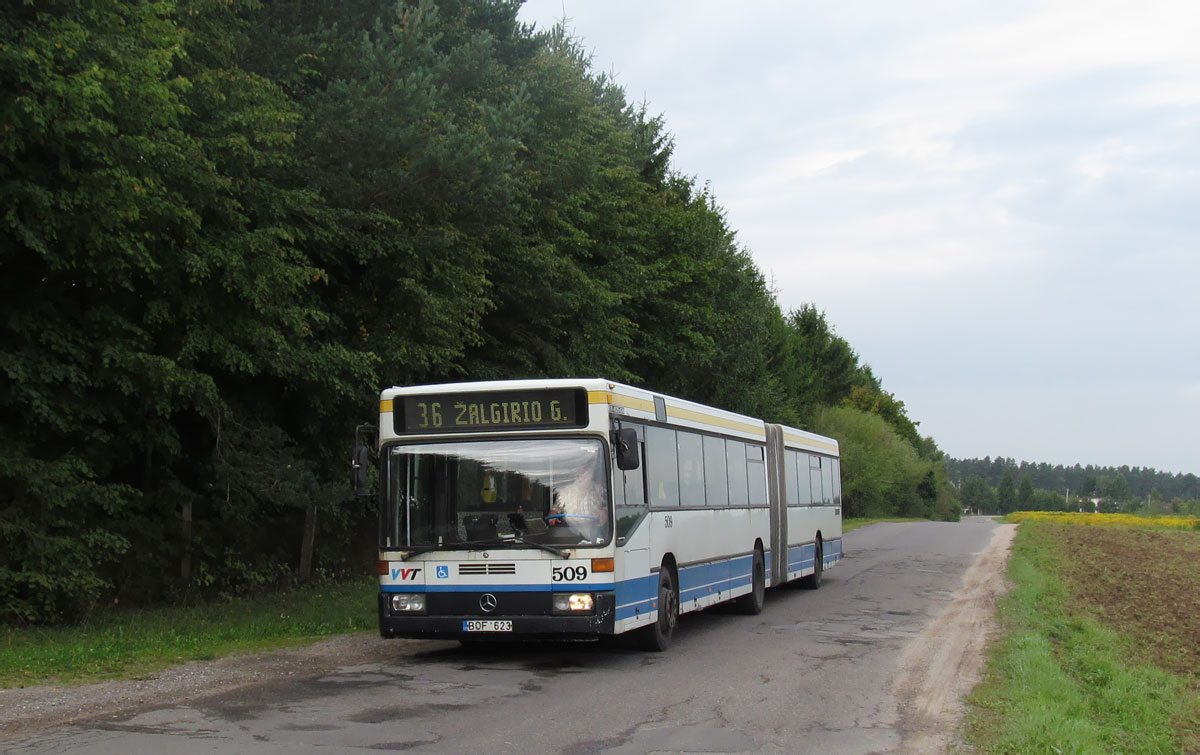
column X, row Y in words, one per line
column 751, row 603
column 657, row 636
column 813, row 581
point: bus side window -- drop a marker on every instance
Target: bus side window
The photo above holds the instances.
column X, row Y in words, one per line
column 691, row 468
column 716, row 479
column 662, row 467
column 803, row 486
column 827, row 481
column 814, row 474
column 735, row 454
column 792, row 492
column 756, row 475
column 837, row 482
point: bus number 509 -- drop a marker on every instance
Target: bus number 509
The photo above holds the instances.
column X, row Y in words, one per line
column 569, row 573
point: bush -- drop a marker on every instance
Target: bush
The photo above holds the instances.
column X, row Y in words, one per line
column 881, row 472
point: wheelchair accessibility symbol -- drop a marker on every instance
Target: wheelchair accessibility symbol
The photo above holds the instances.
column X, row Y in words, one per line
column 443, row 572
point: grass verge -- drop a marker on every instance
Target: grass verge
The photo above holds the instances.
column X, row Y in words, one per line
column 1061, row 679
column 124, row 644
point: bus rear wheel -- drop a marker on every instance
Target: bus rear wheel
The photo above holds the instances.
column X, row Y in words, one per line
column 752, row 602
column 657, row 636
column 813, row 581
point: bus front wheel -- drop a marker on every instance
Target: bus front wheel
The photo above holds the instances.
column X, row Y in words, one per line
column 657, row 636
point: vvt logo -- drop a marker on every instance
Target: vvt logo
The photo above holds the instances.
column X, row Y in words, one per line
column 405, row 574
column 443, row 572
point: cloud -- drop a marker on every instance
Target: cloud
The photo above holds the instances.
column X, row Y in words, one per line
column 993, row 202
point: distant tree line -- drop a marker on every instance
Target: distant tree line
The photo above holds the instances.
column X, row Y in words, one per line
column 1002, row 485
column 229, row 223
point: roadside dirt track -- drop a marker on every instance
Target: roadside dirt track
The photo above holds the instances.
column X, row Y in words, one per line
column 941, row 666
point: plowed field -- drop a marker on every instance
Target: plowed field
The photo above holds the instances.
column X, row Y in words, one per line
column 1144, row 583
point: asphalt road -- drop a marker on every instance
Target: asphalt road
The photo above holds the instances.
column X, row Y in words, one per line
column 814, row 672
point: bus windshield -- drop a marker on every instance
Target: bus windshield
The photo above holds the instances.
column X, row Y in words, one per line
column 493, row 493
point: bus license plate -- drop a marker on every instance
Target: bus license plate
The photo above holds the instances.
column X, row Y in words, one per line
column 487, row 625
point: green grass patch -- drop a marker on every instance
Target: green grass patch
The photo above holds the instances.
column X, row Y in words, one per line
column 1059, row 680
column 855, row 523
column 122, row 644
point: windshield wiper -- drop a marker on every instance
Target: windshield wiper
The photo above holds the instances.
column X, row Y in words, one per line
column 416, row 550
column 548, row 548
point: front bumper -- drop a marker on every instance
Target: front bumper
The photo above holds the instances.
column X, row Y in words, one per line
column 529, row 613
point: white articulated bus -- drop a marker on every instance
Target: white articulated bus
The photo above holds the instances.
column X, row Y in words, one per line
column 584, row 508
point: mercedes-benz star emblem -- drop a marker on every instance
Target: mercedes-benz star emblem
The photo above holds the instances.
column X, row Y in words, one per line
column 487, row 602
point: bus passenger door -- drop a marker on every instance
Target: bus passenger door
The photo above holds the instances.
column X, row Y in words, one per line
column 633, row 582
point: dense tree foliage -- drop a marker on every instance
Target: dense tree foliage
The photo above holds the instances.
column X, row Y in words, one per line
column 977, row 497
column 1118, row 483
column 883, row 474
column 227, row 224
column 1025, row 493
column 1006, row 493
column 1045, row 487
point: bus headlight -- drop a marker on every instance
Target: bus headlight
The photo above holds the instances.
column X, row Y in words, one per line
column 581, row 602
column 403, row 602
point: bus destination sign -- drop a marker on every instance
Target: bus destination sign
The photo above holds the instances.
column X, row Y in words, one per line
column 542, row 409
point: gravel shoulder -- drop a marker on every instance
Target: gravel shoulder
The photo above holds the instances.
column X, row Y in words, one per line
column 26, row 710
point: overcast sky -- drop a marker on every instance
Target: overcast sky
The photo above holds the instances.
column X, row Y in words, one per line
column 996, row 204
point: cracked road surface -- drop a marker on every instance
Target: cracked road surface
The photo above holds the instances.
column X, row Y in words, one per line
column 874, row 661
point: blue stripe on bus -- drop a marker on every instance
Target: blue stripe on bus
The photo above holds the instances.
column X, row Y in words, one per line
column 705, row 579
column 557, row 587
column 636, row 596
column 804, row 556
column 801, row 557
column 833, row 551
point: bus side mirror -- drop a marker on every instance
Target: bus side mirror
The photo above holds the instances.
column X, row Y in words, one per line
column 626, row 443
column 359, row 462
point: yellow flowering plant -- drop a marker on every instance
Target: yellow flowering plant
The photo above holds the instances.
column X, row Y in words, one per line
column 1108, row 520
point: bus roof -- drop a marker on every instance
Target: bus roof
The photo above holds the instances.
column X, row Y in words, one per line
column 639, row 403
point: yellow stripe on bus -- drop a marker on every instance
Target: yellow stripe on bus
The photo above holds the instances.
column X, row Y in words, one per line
column 385, row 405
column 706, row 419
column 629, row 402
column 810, row 442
